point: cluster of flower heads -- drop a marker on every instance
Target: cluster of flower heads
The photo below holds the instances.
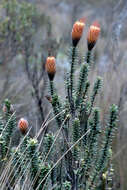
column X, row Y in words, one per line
column 92, row 36
column 77, row 32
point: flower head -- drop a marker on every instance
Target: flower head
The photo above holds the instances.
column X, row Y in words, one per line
column 51, row 67
column 23, row 125
column 77, row 31
column 93, row 35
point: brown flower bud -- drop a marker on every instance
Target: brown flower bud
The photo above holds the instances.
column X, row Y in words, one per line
column 11, row 109
column 77, row 31
column 23, row 126
column 51, row 67
column 93, row 35
column 49, row 98
column 4, row 109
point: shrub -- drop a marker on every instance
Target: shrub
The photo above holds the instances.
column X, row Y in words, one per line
column 78, row 155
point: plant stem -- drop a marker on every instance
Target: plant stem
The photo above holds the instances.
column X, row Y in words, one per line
column 51, row 88
column 88, row 57
column 72, row 70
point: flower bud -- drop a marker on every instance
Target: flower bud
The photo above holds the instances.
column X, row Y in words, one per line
column 49, row 98
column 4, row 108
column 93, row 35
column 8, row 109
column 77, row 31
column 51, row 67
column 23, row 126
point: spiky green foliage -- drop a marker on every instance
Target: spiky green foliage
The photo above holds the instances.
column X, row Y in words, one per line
column 85, row 144
column 83, row 166
column 49, row 139
column 77, row 154
column 66, row 185
column 32, row 145
column 38, row 170
column 86, row 162
column 82, row 83
column 7, row 128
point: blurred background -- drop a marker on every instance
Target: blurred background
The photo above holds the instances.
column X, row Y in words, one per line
column 22, row 57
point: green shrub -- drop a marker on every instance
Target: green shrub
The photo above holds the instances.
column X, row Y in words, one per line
column 78, row 155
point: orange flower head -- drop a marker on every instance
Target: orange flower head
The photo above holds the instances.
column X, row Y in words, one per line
column 51, row 67
column 23, row 125
column 93, row 35
column 77, row 31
